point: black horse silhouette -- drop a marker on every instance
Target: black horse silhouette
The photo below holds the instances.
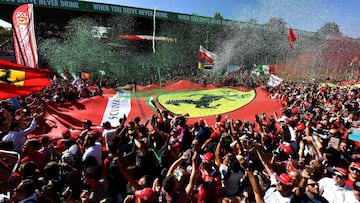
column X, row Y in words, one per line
column 206, row 100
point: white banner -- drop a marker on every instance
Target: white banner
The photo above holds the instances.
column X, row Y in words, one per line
column 274, row 80
column 117, row 106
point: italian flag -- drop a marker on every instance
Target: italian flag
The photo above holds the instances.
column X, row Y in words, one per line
column 266, row 69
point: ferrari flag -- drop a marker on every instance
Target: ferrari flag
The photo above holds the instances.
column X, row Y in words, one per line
column 17, row 80
column 24, row 36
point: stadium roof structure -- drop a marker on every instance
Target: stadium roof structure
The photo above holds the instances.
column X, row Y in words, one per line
column 57, row 9
column 61, row 11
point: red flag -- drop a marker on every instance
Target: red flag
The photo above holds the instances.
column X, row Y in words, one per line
column 291, row 38
column 353, row 60
column 66, row 75
column 17, row 80
column 24, row 36
column 147, row 37
column 85, row 75
column 204, row 54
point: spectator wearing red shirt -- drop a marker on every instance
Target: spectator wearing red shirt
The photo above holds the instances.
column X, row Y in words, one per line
column 354, row 173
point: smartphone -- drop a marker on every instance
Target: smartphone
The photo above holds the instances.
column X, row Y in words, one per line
column 334, row 142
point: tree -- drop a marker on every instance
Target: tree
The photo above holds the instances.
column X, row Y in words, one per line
column 252, row 21
column 277, row 22
column 331, row 29
column 78, row 50
column 218, row 16
column 5, row 34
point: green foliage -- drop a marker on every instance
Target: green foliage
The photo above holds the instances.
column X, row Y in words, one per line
column 331, row 29
column 277, row 22
column 218, row 16
column 5, row 34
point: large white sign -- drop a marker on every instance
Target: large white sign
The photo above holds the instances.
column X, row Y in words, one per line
column 117, row 106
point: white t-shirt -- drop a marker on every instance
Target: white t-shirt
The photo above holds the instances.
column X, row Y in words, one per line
column 108, row 134
column 274, row 196
column 95, row 151
column 333, row 193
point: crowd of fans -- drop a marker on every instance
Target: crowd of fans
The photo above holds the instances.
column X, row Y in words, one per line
column 300, row 154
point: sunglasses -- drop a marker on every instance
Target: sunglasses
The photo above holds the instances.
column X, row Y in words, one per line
column 313, row 184
column 355, row 169
column 340, row 176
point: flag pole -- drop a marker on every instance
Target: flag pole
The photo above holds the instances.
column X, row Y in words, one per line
column 153, row 46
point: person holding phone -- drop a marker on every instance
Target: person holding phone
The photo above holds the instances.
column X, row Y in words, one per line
column 312, row 193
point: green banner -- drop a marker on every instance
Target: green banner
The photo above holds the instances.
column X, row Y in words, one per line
column 116, row 9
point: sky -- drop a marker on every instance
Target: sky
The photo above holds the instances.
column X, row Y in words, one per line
column 308, row 15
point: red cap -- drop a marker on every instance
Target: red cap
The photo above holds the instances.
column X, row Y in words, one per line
column 285, row 147
column 340, row 171
column 146, row 194
column 207, row 157
column 300, row 127
column 294, row 111
column 355, row 165
column 286, row 179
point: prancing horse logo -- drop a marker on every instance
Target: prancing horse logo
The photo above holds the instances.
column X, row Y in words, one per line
column 205, row 102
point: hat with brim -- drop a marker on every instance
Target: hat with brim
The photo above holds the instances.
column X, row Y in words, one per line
column 286, row 180
column 207, row 157
column 355, row 165
column 340, row 171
